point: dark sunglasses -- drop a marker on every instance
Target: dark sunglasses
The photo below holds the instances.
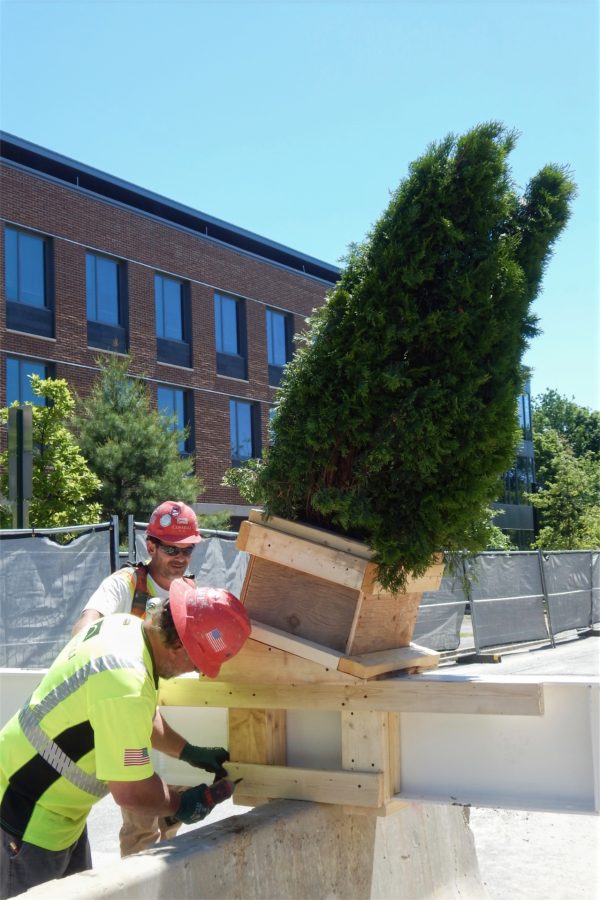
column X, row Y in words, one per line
column 174, row 551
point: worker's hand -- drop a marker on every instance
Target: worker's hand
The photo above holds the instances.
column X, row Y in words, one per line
column 210, row 759
column 197, row 802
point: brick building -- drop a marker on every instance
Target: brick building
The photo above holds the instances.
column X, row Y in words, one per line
column 93, row 265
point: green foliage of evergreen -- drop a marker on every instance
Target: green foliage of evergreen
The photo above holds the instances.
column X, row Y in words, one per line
column 396, row 416
column 132, row 448
column 62, row 483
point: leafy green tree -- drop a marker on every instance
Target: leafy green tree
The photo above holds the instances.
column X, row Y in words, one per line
column 62, row 482
column 568, row 501
column 566, row 443
column 579, row 425
column 396, row 416
column 132, row 448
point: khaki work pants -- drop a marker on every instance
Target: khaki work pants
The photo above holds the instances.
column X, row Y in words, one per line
column 139, row 832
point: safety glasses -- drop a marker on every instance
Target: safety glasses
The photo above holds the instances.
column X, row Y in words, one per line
column 174, row 551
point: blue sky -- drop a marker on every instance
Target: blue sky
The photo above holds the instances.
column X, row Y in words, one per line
column 296, row 119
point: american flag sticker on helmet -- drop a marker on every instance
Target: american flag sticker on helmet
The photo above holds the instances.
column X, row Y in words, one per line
column 139, row 757
column 215, row 639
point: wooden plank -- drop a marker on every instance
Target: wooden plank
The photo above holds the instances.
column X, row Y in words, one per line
column 416, row 584
column 362, row 789
column 371, row 741
column 259, row 663
column 383, row 622
column 298, row 646
column 303, row 556
column 257, row 736
column 416, row 695
column 365, row 746
column 368, row 665
column 320, row 536
column 300, row 604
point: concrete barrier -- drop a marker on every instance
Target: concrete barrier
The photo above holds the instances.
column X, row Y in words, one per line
column 297, row 851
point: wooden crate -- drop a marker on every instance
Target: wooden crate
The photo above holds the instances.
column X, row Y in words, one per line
column 318, row 585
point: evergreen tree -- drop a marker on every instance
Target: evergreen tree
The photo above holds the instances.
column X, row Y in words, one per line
column 62, row 483
column 132, row 448
column 396, row 416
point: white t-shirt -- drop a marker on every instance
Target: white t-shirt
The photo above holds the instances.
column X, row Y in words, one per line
column 115, row 593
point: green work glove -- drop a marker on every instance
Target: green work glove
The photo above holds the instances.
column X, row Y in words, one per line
column 210, row 759
column 197, row 802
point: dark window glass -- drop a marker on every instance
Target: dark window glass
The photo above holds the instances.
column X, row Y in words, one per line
column 226, row 325
column 230, row 337
column 102, row 289
column 271, row 413
column 18, row 382
column 169, row 309
column 172, row 402
column 25, row 268
column 241, row 431
column 277, row 338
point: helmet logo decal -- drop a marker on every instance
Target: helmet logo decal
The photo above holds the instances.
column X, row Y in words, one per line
column 215, row 639
column 165, row 520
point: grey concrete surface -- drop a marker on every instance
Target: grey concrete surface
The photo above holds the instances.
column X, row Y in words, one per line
column 528, row 855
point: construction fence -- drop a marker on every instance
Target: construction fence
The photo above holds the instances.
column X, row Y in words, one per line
column 510, row 598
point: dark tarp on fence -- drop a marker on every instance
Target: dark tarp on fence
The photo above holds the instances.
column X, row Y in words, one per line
column 507, row 599
column 568, row 580
column 43, row 587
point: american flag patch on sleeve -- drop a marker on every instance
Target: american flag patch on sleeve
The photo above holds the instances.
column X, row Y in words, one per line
column 215, row 639
column 139, row 757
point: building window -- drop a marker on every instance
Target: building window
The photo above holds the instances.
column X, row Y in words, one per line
column 271, row 413
column 280, row 331
column 244, row 428
column 230, row 337
column 172, row 309
column 175, row 404
column 106, row 303
column 28, row 282
column 524, row 412
column 18, row 380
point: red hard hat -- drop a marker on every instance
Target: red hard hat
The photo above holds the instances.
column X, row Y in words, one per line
column 211, row 623
column 174, row 523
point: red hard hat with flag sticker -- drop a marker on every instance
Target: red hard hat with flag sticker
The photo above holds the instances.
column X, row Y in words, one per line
column 174, row 522
column 211, row 623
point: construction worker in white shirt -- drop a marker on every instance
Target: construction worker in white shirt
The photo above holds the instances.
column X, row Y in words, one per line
column 171, row 536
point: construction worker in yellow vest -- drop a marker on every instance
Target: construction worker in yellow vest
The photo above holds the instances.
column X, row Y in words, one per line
column 171, row 536
column 88, row 728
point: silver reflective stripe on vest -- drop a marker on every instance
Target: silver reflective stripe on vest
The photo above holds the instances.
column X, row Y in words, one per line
column 31, row 716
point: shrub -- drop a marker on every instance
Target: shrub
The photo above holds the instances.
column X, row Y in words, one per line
column 397, row 414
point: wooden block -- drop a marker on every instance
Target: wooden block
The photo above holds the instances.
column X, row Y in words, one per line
column 361, row 789
column 512, row 696
column 382, row 622
column 299, row 604
column 303, row 556
column 369, row 665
